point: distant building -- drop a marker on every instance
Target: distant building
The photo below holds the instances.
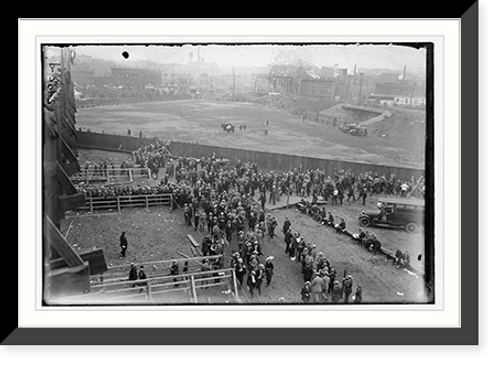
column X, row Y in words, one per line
column 316, row 88
column 135, row 78
column 401, row 93
column 128, row 78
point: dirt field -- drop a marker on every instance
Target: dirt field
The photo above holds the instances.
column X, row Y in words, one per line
column 158, row 234
column 398, row 141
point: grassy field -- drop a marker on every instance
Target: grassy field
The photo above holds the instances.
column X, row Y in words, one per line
column 397, row 141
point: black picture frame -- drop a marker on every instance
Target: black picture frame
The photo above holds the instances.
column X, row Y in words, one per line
column 466, row 334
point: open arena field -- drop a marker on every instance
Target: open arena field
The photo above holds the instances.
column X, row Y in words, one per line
column 158, row 233
column 397, row 141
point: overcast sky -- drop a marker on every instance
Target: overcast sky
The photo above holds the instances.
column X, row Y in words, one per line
column 345, row 56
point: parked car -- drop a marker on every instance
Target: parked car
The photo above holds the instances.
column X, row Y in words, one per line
column 407, row 213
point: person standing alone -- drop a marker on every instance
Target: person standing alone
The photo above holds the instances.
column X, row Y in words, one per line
column 123, row 244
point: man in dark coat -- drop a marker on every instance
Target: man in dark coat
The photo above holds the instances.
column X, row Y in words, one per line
column 358, row 296
column 123, row 244
column 174, row 270
column 132, row 274
column 142, row 276
column 305, row 292
column 262, row 200
column 348, row 283
column 286, row 225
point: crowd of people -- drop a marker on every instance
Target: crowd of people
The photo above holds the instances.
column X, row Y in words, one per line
column 219, row 201
column 321, row 283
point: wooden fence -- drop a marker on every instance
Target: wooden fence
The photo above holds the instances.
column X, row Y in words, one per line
column 125, row 143
column 265, row 160
column 287, row 162
column 132, row 100
column 94, row 174
column 154, row 288
column 118, row 203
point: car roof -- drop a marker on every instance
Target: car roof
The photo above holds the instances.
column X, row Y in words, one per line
column 409, row 201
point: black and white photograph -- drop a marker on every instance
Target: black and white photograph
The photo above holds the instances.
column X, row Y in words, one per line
column 238, row 174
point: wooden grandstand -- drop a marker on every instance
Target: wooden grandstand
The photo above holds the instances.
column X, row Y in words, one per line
column 65, row 271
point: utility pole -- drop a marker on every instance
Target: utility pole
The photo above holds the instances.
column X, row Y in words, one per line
column 234, row 84
column 360, row 86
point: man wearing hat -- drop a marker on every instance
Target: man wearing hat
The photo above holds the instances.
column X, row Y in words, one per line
column 337, row 291
column 269, row 266
column 305, row 292
column 358, row 296
column 286, row 225
column 288, row 240
column 123, row 244
column 348, row 283
column 142, row 276
column 316, row 287
column 132, row 274
column 241, row 240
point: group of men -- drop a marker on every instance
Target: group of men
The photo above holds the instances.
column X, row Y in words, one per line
column 320, row 277
column 219, row 201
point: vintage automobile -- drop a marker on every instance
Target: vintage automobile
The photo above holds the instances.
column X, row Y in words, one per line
column 407, row 213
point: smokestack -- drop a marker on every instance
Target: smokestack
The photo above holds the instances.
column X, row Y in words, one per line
column 404, row 73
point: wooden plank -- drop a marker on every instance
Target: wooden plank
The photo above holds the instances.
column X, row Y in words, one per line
column 235, row 285
column 193, row 241
column 95, row 259
column 193, row 289
column 65, row 180
column 60, row 245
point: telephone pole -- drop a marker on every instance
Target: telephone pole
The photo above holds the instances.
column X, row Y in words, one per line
column 234, row 84
column 360, row 86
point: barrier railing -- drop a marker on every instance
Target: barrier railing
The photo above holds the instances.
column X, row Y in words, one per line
column 151, row 289
column 110, row 174
column 118, row 203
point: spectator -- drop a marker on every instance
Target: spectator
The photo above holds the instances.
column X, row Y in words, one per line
column 132, row 274
column 316, row 287
column 252, row 282
column 358, row 295
column 348, row 284
column 142, row 276
column 123, row 244
column 337, row 292
column 174, row 270
column 269, row 267
column 305, row 292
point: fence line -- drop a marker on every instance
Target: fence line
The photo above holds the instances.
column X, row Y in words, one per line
column 106, row 174
column 265, row 160
column 126, row 201
column 170, row 283
column 287, row 162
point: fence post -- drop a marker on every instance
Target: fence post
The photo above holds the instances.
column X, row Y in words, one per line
column 118, row 204
column 193, row 288
column 150, row 293
column 130, row 174
column 91, row 205
column 147, row 202
column 235, row 284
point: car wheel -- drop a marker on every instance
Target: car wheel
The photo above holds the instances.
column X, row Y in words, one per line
column 365, row 222
column 411, row 227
